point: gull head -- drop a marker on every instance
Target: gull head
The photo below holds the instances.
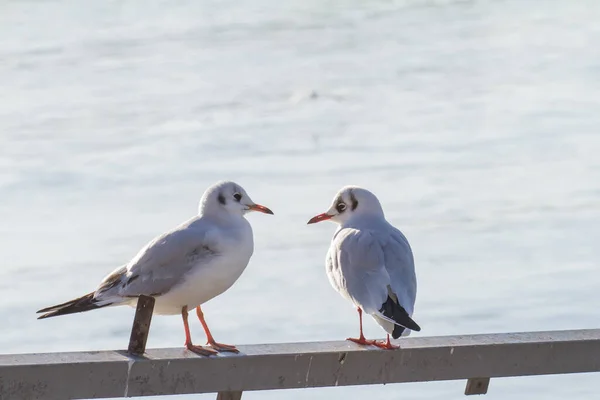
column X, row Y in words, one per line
column 228, row 198
column 350, row 202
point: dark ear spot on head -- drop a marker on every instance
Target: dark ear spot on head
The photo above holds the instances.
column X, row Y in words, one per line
column 221, row 198
column 353, row 201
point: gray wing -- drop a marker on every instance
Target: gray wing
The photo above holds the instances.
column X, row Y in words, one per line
column 400, row 265
column 369, row 267
column 162, row 263
column 356, row 269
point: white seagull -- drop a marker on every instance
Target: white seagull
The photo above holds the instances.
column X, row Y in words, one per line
column 185, row 267
column 370, row 263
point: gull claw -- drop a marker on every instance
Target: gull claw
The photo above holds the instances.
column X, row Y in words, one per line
column 203, row 351
column 386, row 345
column 223, row 347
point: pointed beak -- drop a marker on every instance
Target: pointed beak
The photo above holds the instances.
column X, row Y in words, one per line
column 319, row 218
column 259, row 208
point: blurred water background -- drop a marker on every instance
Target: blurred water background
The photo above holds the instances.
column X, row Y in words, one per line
column 475, row 122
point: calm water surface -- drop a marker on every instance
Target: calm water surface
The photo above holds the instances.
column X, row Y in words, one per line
column 475, row 122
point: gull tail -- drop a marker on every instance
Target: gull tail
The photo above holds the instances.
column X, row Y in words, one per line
column 396, row 314
column 81, row 304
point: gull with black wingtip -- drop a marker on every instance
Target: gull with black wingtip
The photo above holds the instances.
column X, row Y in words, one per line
column 370, row 263
column 185, row 267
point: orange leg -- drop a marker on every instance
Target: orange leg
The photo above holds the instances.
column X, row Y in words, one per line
column 361, row 339
column 188, row 338
column 209, row 337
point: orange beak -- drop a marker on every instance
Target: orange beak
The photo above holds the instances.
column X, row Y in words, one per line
column 259, row 208
column 319, row 218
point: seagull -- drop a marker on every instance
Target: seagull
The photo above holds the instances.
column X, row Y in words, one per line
column 370, row 263
column 185, row 267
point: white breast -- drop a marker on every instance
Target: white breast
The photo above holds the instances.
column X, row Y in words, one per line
column 208, row 280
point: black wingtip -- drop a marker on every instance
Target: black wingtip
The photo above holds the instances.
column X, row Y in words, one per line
column 412, row 325
column 399, row 330
column 396, row 312
column 81, row 304
column 50, row 313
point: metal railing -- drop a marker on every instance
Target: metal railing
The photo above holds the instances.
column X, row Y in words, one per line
column 476, row 358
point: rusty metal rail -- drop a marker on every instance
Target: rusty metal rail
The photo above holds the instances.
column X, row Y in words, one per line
column 137, row 372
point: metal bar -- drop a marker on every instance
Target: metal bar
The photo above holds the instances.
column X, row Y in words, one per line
column 296, row 365
column 141, row 325
column 229, row 396
column 477, row 386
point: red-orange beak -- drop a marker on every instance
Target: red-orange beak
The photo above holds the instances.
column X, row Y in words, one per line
column 319, row 218
column 259, row 208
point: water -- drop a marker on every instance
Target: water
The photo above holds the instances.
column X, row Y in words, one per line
column 475, row 122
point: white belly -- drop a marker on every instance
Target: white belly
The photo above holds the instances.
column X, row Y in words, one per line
column 203, row 283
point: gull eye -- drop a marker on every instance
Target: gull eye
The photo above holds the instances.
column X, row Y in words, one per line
column 237, row 196
column 341, row 207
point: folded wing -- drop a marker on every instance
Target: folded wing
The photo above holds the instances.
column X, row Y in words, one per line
column 159, row 267
column 369, row 270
